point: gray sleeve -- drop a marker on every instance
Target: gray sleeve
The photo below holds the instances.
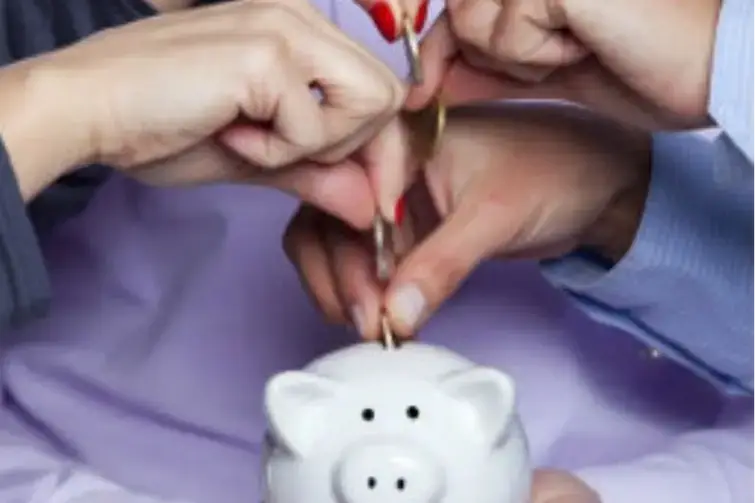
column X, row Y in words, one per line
column 29, row 28
column 24, row 287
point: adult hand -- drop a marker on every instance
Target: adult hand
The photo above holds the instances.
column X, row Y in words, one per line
column 509, row 181
column 639, row 60
column 221, row 93
column 551, row 486
column 388, row 15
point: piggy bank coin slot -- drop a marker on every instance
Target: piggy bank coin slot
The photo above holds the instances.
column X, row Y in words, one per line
column 412, row 412
column 368, row 415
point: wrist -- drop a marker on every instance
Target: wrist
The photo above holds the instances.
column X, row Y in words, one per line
column 614, row 232
column 42, row 127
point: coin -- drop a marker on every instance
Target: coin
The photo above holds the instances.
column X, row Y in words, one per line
column 388, row 338
column 383, row 252
column 411, row 44
column 427, row 127
column 439, row 110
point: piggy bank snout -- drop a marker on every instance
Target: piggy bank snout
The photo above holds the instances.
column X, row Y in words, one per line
column 386, row 471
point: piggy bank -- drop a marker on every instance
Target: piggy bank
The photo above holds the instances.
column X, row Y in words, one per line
column 416, row 424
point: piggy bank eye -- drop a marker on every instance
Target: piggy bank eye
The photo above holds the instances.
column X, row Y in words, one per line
column 412, row 412
column 368, row 415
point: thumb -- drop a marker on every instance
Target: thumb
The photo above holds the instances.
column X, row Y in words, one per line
column 433, row 270
column 438, row 52
column 390, row 166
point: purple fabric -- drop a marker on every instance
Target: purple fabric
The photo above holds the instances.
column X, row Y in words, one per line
column 172, row 307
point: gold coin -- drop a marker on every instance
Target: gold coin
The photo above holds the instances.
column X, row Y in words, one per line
column 440, row 126
column 427, row 127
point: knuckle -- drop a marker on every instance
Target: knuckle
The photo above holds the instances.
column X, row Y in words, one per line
column 505, row 49
column 268, row 51
column 379, row 92
column 376, row 101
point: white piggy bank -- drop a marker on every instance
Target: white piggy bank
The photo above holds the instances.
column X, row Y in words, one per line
column 418, row 424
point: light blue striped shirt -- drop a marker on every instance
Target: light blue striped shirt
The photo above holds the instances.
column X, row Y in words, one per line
column 685, row 287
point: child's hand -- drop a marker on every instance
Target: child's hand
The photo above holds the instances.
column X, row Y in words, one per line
column 514, row 182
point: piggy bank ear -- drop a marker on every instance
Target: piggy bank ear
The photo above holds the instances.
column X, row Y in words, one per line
column 296, row 405
column 488, row 398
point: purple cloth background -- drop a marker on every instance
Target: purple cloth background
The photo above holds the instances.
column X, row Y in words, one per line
column 172, row 308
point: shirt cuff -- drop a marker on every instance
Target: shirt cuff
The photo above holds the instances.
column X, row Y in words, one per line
column 731, row 94
column 668, row 264
column 24, row 284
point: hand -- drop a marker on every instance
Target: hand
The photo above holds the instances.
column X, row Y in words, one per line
column 508, row 182
column 550, row 486
column 388, row 15
column 220, row 93
column 640, row 60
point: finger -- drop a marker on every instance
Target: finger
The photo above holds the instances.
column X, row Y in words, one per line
column 388, row 15
column 430, row 273
column 341, row 190
column 390, row 167
column 354, row 87
column 356, row 97
column 284, row 100
column 359, row 139
column 304, row 247
column 529, row 33
column 473, row 21
column 437, row 53
column 553, row 486
column 352, row 265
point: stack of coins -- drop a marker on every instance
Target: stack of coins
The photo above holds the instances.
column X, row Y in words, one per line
column 427, row 126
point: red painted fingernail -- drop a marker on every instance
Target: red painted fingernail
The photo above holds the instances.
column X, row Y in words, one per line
column 421, row 19
column 398, row 211
column 385, row 21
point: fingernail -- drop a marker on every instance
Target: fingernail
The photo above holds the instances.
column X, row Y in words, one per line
column 383, row 17
column 398, row 211
column 421, row 19
column 407, row 305
column 357, row 318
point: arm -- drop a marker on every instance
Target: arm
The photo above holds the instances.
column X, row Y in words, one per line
column 684, row 286
column 712, row 465
column 31, row 116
